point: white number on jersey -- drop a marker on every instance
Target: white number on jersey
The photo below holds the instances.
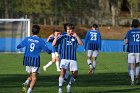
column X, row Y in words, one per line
column 32, row 46
column 136, row 37
column 93, row 36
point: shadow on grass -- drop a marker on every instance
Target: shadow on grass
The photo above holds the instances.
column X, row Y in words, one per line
column 119, row 90
column 101, row 79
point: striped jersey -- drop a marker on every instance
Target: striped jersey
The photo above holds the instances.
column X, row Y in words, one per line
column 92, row 40
column 33, row 46
column 133, row 37
column 68, row 47
column 59, row 47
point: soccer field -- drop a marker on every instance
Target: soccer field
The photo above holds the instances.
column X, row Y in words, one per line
column 110, row 77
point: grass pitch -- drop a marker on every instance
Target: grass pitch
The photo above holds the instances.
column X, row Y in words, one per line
column 110, row 77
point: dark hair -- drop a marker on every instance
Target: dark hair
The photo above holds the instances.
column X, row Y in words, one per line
column 35, row 29
column 95, row 26
column 65, row 26
column 135, row 23
column 71, row 26
column 56, row 30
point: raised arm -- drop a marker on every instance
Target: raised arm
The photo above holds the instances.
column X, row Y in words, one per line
column 55, row 39
column 49, row 38
column 80, row 42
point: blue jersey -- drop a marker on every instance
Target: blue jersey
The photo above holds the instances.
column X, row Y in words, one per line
column 34, row 45
column 92, row 40
column 59, row 48
column 133, row 37
column 68, row 47
column 54, row 48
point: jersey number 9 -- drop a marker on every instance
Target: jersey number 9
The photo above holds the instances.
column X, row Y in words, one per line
column 32, row 46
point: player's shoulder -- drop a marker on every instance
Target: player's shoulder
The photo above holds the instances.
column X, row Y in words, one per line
column 88, row 31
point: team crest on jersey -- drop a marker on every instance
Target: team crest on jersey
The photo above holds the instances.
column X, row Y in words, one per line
column 69, row 42
column 72, row 39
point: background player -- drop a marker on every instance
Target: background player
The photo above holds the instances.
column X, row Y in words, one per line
column 31, row 60
column 92, row 45
column 132, row 38
column 55, row 54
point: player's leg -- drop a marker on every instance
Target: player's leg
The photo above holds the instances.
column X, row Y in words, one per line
column 66, row 76
column 50, row 63
column 27, row 82
column 137, row 67
column 35, row 72
column 63, row 66
column 57, row 61
column 129, row 69
column 74, row 69
column 89, row 55
column 94, row 56
column 131, row 60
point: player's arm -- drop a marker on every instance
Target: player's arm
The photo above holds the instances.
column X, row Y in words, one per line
column 46, row 49
column 22, row 44
column 86, row 40
column 50, row 38
column 55, row 40
column 126, row 41
column 99, row 41
column 126, row 38
column 80, row 42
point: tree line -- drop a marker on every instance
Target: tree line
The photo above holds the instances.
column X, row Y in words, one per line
column 57, row 12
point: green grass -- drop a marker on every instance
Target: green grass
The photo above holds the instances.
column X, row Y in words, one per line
column 110, row 77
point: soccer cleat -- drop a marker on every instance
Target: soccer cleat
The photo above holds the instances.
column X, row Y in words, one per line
column 24, row 87
column 44, row 68
column 90, row 71
column 68, row 89
column 132, row 83
column 60, row 91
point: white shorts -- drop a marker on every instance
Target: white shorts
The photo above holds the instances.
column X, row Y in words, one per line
column 55, row 54
column 31, row 69
column 69, row 64
column 93, row 53
column 133, row 57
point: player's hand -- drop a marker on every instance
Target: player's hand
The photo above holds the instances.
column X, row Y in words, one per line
column 74, row 34
column 57, row 34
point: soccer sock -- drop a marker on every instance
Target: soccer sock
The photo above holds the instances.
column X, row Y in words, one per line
column 49, row 64
column 137, row 70
column 57, row 65
column 27, row 82
column 29, row 90
column 132, row 75
column 129, row 69
column 72, row 80
column 94, row 64
column 90, row 64
column 66, row 75
column 61, row 79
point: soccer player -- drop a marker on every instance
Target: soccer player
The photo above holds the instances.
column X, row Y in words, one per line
column 69, row 43
column 34, row 45
column 55, row 54
column 132, row 39
column 93, row 46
